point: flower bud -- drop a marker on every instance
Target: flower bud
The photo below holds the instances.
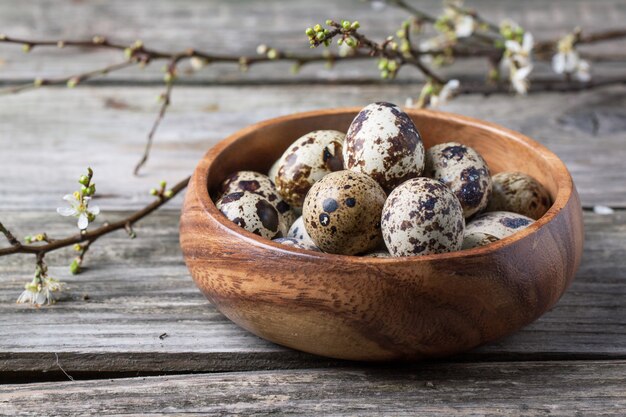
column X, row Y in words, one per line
column 75, row 267
column 317, row 28
column 345, row 24
column 272, row 54
column 168, row 194
column 84, row 180
column 309, row 32
column 153, row 191
column 78, row 247
column 355, row 25
column 162, row 183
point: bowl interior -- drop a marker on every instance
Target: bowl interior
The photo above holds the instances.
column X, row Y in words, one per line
column 257, row 147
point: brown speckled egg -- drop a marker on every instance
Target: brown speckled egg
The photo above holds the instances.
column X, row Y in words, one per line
column 274, row 171
column 519, row 193
column 342, row 213
column 383, row 142
column 420, row 217
column 496, row 225
column 297, row 243
column 307, row 161
column 464, row 171
column 476, row 239
column 254, row 213
column 258, row 183
column 298, row 231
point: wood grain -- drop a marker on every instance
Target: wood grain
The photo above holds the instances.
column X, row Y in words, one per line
column 375, row 309
column 62, row 131
column 140, row 289
column 502, row 389
column 210, row 25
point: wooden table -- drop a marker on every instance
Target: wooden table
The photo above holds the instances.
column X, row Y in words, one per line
column 135, row 334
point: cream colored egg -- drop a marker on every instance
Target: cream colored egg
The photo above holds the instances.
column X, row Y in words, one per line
column 421, row 217
column 384, row 143
column 492, row 226
column 298, row 231
column 307, row 161
column 274, row 171
column 254, row 213
column 342, row 212
column 519, row 193
column 258, row 183
column 297, row 243
column 464, row 171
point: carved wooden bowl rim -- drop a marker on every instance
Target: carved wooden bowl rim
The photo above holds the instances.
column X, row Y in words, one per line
column 561, row 177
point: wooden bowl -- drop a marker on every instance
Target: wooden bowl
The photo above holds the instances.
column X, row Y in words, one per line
column 375, row 309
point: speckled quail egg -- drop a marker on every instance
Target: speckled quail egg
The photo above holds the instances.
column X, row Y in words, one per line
column 298, row 231
column 519, row 193
column 258, row 183
column 496, row 225
column 274, row 170
column 342, row 213
column 464, row 171
column 297, row 243
column 307, row 161
column 383, row 142
column 254, row 213
column 476, row 239
column 422, row 216
column 378, row 254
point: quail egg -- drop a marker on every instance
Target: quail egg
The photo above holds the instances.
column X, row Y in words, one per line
column 383, row 142
column 297, row 243
column 306, row 161
column 496, row 225
column 342, row 213
column 274, row 170
column 464, row 171
column 298, row 231
column 254, row 213
column 519, row 193
column 258, row 183
column 420, row 217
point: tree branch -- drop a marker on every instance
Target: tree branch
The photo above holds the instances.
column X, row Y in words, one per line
column 94, row 234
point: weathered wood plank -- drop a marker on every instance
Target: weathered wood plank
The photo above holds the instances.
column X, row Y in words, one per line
column 239, row 26
column 139, row 290
column 48, row 137
column 503, row 389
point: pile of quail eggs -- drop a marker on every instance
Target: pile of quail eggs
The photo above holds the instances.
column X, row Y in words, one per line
column 375, row 191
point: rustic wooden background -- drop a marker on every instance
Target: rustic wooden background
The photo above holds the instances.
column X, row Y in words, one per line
column 134, row 314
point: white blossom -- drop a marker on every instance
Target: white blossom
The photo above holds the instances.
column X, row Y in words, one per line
column 464, row 26
column 519, row 78
column 568, row 61
column 517, row 62
column 521, row 53
column 39, row 291
column 79, row 207
column 197, row 63
column 445, row 94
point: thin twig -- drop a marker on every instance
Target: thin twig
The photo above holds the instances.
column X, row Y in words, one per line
column 7, row 233
column 165, row 102
column 92, row 235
